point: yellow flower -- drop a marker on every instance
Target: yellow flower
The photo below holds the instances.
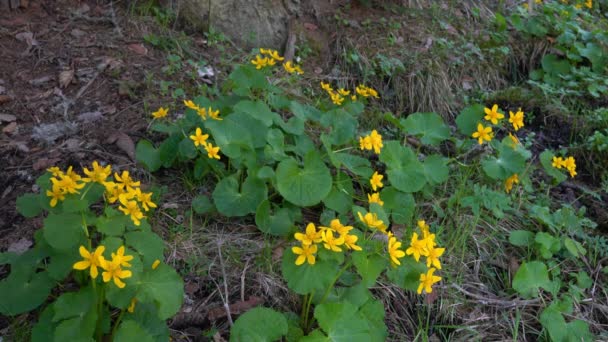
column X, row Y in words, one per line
column 330, row 242
column 155, row 264
column 160, row 113
column 336, row 98
column 120, row 258
column 372, row 92
column 299, row 70
column 427, row 280
column 260, row 62
column 274, row 54
column 371, row 220
column 291, row 68
column 376, row 141
column 493, row 115
column 67, row 184
column 125, row 180
column 114, row 272
column 131, row 307
column 90, row 260
column 212, row 151
column 199, row 138
column 336, row 226
column 202, row 112
column 305, row 253
column 311, row 236
column 353, row 98
column 113, row 191
column 214, row 114
column 589, row 4
column 365, row 143
column 417, row 247
column 361, row 90
column 374, row 198
column 190, row 104
column 570, row 165
column 265, row 51
column 376, row 181
column 72, row 174
column 393, row 250
column 55, row 171
column 424, row 227
column 558, row 162
column 98, row 174
column 483, row 133
column 130, row 208
column 433, row 257
column 145, row 199
column 326, row 86
column 514, row 179
column 343, row 92
column 350, row 242
column 517, row 119
column 56, row 194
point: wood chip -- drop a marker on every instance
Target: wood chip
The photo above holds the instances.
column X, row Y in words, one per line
column 65, row 78
column 124, row 142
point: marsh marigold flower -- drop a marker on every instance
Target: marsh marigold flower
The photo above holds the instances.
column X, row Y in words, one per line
column 125, row 180
column 570, row 165
column 330, row 242
column 393, row 250
column 376, row 141
column 371, row 220
column 514, row 179
column 214, row 114
column 365, row 143
column 99, row 174
column 212, row 151
column 557, row 162
column 120, row 258
column 514, row 140
column 326, row 86
column 376, row 181
column 160, row 113
column 417, row 247
column 311, row 235
column 433, row 257
column 56, row 194
column 199, row 138
column 155, row 264
column 427, row 280
column 131, row 209
column 516, row 119
column 190, row 104
column 305, row 253
column 493, row 115
column 483, row 133
column 90, row 260
column 113, row 271
column 260, row 62
column 374, row 198
column 291, row 68
column 336, row 226
column 350, row 242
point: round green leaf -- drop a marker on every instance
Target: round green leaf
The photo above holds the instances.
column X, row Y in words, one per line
column 436, row 169
column 130, row 331
column 259, row 325
column 23, row 292
column 529, row 277
column 369, row 267
column 28, row 205
column 147, row 155
column 304, row 186
column 149, row 245
column 306, row 278
column 64, row 232
column 429, row 127
column 164, row 287
column 201, row 204
column 279, row 224
column 521, row 238
column 229, row 201
column 400, row 204
column 468, row 118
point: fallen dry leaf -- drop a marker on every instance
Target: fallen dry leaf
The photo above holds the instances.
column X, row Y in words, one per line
column 44, row 163
column 65, row 78
column 89, row 116
column 77, row 33
column 7, row 117
column 138, row 48
column 5, row 98
column 124, row 142
column 218, row 338
column 10, row 128
column 235, row 309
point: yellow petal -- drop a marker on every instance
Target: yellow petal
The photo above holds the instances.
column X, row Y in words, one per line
column 82, row 265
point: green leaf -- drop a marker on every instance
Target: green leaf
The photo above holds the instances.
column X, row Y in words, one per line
column 546, row 160
column 28, row 205
column 276, row 144
column 60, row 264
column 358, row 165
column 165, row 288
column 229, row 201
column 187, row 149
column 369, row 267
column 306, row 278
column 400, row 205
column 279, row 224
column 44, row 327
column 112, row 223
column 257, row 110
column 553, row 65
column 340, row 197
column 529, row 277
column 305, row 186
column 521, row 238
column 571, row 247
column 436, row 169
column 260, row 325
column 64, row 232
column 80, row 328
column 130, row 331
column 429, row 127
column 145, row 315
column 149, row 245
column 407, row 275
column 404, row 170
column 343, row 126
column 468, row 118
column 26, row 291
column 508, row 162
column 341, row 322
column 74, row 304
column 147, row 155
column 168, row 149
column 295, row 125
column 231, row 135
column 315, row 336
column 201, row 204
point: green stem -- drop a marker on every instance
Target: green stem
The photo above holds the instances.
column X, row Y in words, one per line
column 346, row 265
column 99, row 308
column 307, row 314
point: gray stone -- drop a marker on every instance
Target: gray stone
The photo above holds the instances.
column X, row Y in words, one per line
column 249, row 23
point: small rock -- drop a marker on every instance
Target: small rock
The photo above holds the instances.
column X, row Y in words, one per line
column 5, row 98
column 40, row 80
column 77, row 33
column 89, row 116
column 7, row 117
column 2, row 90
column 139, row 49
column 48, row 133
column 20, row 246
column 10, row 128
